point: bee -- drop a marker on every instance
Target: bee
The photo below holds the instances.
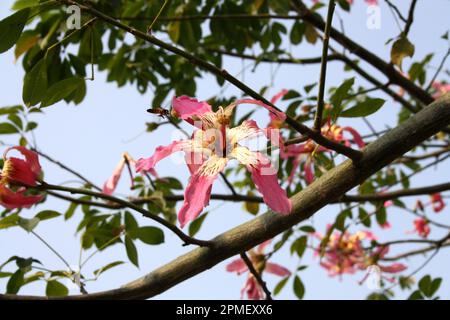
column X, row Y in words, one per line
column 163, row 113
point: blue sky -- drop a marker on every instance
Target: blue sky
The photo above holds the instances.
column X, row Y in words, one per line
column 91, row 137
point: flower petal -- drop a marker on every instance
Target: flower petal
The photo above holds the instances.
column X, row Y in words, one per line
column 247, row 129
column 278, row 96
column 186, row 108
column 198, row 190
column 276, row 269
column 25, row 171
column 356, row 137
column 111, row 184
column 161, row 152
column 265, row 178
column 394, row 268
column 31, row 158
column 237, row 266
column 14, row 200
column 279, row 114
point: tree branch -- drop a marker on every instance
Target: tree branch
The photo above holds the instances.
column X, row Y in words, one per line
column 386, row 68
column 184, row 237
column 396, row 194
column 355, row 155
column 323, row 67
column 257, row 276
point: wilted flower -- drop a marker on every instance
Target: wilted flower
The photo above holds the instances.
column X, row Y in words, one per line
column 18, row 174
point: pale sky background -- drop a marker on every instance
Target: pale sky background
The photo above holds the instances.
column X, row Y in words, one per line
column 91, row 137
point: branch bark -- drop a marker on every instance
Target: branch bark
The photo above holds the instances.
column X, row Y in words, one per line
column 331, row 186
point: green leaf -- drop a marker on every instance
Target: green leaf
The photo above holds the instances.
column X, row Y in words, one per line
column 9, row 221
column 131, row 251
column 47, row 214
column 130, row 221
column 339, row 95
column 364, row 217
column 299, row 246
column 173, row 29
column 11, row 28
column 435, row 285
column 70, row 211
column 21, row 4
column 195, row 225
column 148, row 235
column 416, row 295
column 364, row 108
column 381, row 215
column 297, row 32
column 280, row 286
column 7, row 128
column 307, row 229
column 56, row 289
column 15, row 282
column 299, row 288
column 425, row 286
column 251, row 207
column 28, row 224
column 61, row 90
column 26, row 41
column 401, row 49
column 35, row 84
column 111, row 265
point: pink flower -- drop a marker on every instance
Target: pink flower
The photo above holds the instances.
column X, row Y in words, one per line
column 303, row 153
column 437, row 202
column 440, row 88
column 251, row 287
column 345, row 254
column 421, row 227
column 210, row 149
column 23, row 172
column 111, row 184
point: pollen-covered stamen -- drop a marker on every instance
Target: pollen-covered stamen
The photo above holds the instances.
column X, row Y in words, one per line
column 213, row 166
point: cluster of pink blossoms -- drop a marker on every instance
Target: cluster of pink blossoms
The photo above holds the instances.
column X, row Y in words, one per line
column 345, row 254
column 440, row 89
column 212, row 145
column 422, row 224
column 18, row 174
column 251, row 287
column 304, row 153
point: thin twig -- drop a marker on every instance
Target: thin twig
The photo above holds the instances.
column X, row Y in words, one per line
column 184, row 237
column 410, row 19
column 64, row 167
column 323, row 67
column 257, row 276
